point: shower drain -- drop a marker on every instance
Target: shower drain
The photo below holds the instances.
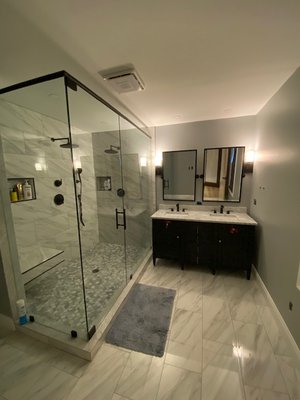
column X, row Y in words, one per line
column 95, row 270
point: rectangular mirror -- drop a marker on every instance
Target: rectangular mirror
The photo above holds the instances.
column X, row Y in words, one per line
column 179, row 175
column 223, row 171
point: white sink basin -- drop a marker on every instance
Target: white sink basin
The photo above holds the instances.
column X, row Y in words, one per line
column 222, row 215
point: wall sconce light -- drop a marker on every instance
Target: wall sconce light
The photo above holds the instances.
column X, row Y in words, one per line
column 249, row 161
column 158, row 170
column 158, row 164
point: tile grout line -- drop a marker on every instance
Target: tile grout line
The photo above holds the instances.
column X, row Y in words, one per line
column 241, row 378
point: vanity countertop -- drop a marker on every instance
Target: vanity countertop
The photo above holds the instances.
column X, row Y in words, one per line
column 205, row 216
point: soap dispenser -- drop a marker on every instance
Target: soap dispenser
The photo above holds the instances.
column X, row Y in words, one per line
column 27, row 190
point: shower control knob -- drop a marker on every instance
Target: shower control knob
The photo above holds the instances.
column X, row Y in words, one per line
column 59, row 199
column 121, row 192
column 58, row 182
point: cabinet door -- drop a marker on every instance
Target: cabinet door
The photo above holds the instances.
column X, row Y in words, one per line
column 235, row 244
column 189, row 234
column 207, row 238
column 166, row 239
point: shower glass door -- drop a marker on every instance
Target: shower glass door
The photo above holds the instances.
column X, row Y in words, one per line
column 97, row 166
column 136, row 171
column 34, row 132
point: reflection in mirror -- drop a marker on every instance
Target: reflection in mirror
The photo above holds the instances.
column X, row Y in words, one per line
column 179, row 174
column 223, row 170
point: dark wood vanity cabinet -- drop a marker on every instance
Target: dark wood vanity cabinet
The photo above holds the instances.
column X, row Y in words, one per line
column 167, row 239
column 214, row 245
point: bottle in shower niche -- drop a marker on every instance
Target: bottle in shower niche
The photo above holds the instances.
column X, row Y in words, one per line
column 27, row 191
column 21, row 312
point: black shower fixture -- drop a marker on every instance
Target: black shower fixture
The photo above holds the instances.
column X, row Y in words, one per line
column 67, row 145
column 111, row 149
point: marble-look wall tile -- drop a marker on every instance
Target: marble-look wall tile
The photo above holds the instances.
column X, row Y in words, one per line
column 12, row 141
column 54, row 128
column 43, row 147
column 24, row 166
column 26, row 235
column 22, row 119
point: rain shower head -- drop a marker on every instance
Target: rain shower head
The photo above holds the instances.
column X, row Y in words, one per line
column 67, row 145
column 111, row 149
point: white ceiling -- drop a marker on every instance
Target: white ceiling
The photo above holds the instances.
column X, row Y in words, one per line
column 199, row 59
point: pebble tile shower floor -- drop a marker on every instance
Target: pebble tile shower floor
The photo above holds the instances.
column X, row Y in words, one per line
column 56, row 298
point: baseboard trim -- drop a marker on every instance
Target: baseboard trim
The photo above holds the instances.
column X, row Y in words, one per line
column 277, row 314
column 7, row 322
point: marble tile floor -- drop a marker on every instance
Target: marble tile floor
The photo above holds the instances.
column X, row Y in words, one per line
column 223, row 344
column 55, row 298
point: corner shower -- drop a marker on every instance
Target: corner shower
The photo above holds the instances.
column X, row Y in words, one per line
column 72, row 261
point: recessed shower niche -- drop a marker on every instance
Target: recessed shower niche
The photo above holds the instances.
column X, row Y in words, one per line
column 21, row 189
column 55, row 129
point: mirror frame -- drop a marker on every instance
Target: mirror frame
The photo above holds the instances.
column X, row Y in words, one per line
column 195, row 175
column 241, row 178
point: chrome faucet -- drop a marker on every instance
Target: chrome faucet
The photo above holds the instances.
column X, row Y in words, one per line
column 221, row 209
column 177, row 207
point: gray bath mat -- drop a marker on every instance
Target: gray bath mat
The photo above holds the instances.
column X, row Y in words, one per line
column 143, row 322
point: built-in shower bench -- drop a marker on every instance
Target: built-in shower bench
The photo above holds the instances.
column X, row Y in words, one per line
column 36, row 260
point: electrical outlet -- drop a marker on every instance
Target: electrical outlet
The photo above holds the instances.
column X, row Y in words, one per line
column 254, row 202
column 290, row 306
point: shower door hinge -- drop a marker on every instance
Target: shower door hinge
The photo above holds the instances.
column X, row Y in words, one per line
column 91, row 332
column 70, row 83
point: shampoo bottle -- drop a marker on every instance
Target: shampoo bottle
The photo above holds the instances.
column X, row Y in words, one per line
column 14, row 195
column 21, row 312
column 27, row 191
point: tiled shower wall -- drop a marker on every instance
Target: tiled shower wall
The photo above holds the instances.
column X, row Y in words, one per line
column 136, row 183
column 28, row 152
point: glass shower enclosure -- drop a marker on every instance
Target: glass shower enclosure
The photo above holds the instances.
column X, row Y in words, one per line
column 78, row 183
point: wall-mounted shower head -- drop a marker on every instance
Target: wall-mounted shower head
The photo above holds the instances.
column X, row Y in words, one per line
column 67, row 145
column 111, row 149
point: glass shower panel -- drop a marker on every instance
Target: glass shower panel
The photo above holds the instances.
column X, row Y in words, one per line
column 38, row 166
column 136, row 169
column 95, row 129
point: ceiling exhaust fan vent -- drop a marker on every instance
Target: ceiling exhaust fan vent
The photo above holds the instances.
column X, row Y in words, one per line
column 123, row 81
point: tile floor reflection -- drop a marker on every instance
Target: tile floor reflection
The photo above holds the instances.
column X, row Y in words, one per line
column 224, row 344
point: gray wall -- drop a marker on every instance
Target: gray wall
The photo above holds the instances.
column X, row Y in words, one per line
column 204, row 134
column 4, row 300
column 276, row 187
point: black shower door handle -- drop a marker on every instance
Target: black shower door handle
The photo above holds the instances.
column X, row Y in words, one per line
column 123, row 212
